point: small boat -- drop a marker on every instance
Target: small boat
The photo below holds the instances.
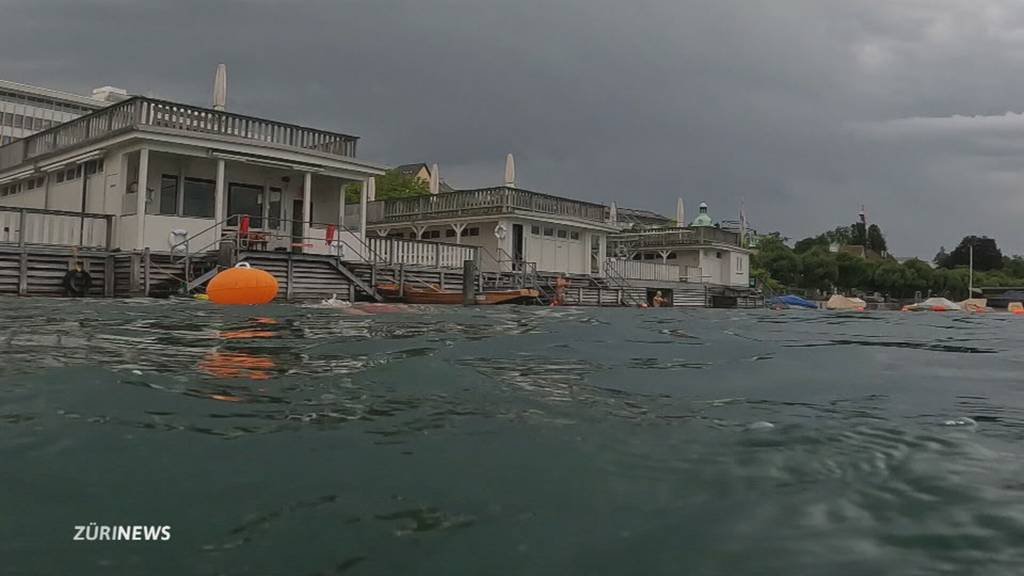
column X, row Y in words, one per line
column 933, row 305
column 974, row 305
column 1005, row 299
column 434, row 295
column 838, row 302
column 792, row 300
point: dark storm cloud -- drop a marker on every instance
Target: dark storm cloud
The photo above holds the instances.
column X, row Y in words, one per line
column 802, row 109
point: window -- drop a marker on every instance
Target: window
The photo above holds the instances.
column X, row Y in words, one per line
column 32, row 184
column 549, row 231
column 90, row 168
column 99, row 165
column 739, row 263
column 535, row 230
column 474, row 231
column 672, row 256
column 168, row 194
column 449, row 233
column 198, row 198
column 59, row 176
column 433, row 234
column 562, row 233
column 70, row 174
column 246, row 200
column 574, row 235
column 78, row 171
column 718, row 254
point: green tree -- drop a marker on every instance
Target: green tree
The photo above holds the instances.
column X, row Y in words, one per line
column 918, row 276
column 858, row 234
column 819, row 270
column 851, row 272
column 807, row 244
column 876, row 241
column 950, row 283
column 392, row 184
column 841, row 235
column 892, row 278
column 987, row 255
column 941, row 258
column 1013, row 266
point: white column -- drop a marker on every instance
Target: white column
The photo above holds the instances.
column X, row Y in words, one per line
column 602, row 252
column 341, row 207
column 307, row 204
column 364, row 191
column 140, row 197
column 218, row 198
column 458, row 228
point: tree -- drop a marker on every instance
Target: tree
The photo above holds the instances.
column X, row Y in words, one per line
column 858, row 234
column 819, row 270
column 892, row 278
column 986, row 254
column 1013, row 266
column 811, row 243
column 941, row 257
column 918, row 276
column 392, row 184
column 851, row 272
column 875, row 240
column 841, row 235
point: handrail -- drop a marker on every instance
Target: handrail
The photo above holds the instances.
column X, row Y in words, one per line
column 496, row 200
column 609, row 271
column 143, row 111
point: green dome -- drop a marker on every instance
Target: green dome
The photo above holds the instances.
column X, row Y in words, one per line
column 702, row 219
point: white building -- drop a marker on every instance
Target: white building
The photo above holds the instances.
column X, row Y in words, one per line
column 509, row 225
column 27, row 109
column 698, row 253
column 146, row 173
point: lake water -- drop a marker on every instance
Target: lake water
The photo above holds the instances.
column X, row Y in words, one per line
column 290, row 440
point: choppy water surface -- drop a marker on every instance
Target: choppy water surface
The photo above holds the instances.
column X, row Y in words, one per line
column 294, row 440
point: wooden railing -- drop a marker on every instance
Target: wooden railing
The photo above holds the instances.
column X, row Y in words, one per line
column 140, row 111
column 669, row 237
column 487, row 201
column 30, row 226
column 643, row 270
column 419, row 253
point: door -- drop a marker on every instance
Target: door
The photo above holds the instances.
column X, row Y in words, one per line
column 297, row 239
column 517, row 246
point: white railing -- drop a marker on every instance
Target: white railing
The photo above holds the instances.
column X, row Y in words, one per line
column 28, row 226
column 486, row 201
column 642, row 270
column 694, row 274
column 418, row 253
column 141, row 111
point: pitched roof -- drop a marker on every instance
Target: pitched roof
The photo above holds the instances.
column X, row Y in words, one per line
column 637, row 215
column 411, row 169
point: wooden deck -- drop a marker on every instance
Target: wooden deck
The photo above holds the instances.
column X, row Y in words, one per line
column 39, row 271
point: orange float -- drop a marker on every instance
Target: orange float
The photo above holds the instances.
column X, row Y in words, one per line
column 242, row 284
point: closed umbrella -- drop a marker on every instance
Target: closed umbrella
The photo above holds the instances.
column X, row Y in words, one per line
column 220, row 87
column 510, row 171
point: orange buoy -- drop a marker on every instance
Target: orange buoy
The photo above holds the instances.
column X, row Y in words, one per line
column 242, row 284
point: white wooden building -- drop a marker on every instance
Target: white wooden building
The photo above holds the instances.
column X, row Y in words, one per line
column 509, row 225
column 154, row 174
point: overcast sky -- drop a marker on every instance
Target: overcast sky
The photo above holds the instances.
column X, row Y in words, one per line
column 802, row 109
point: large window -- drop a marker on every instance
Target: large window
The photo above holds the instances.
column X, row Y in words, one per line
column 199, row 198
column 246, row 199
column 168, row 194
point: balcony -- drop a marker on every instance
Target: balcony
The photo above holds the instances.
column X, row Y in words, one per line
column 501, row 200
column 667, row 238
column 139, row 112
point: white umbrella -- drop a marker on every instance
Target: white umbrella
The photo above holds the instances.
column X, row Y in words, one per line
column 680, row 213
column 220, row 87
column 435, row 179
column 510, row 171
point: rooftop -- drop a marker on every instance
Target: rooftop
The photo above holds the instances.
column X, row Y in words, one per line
column 141, row 113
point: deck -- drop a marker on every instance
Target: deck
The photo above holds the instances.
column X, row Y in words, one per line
column 140, row 113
